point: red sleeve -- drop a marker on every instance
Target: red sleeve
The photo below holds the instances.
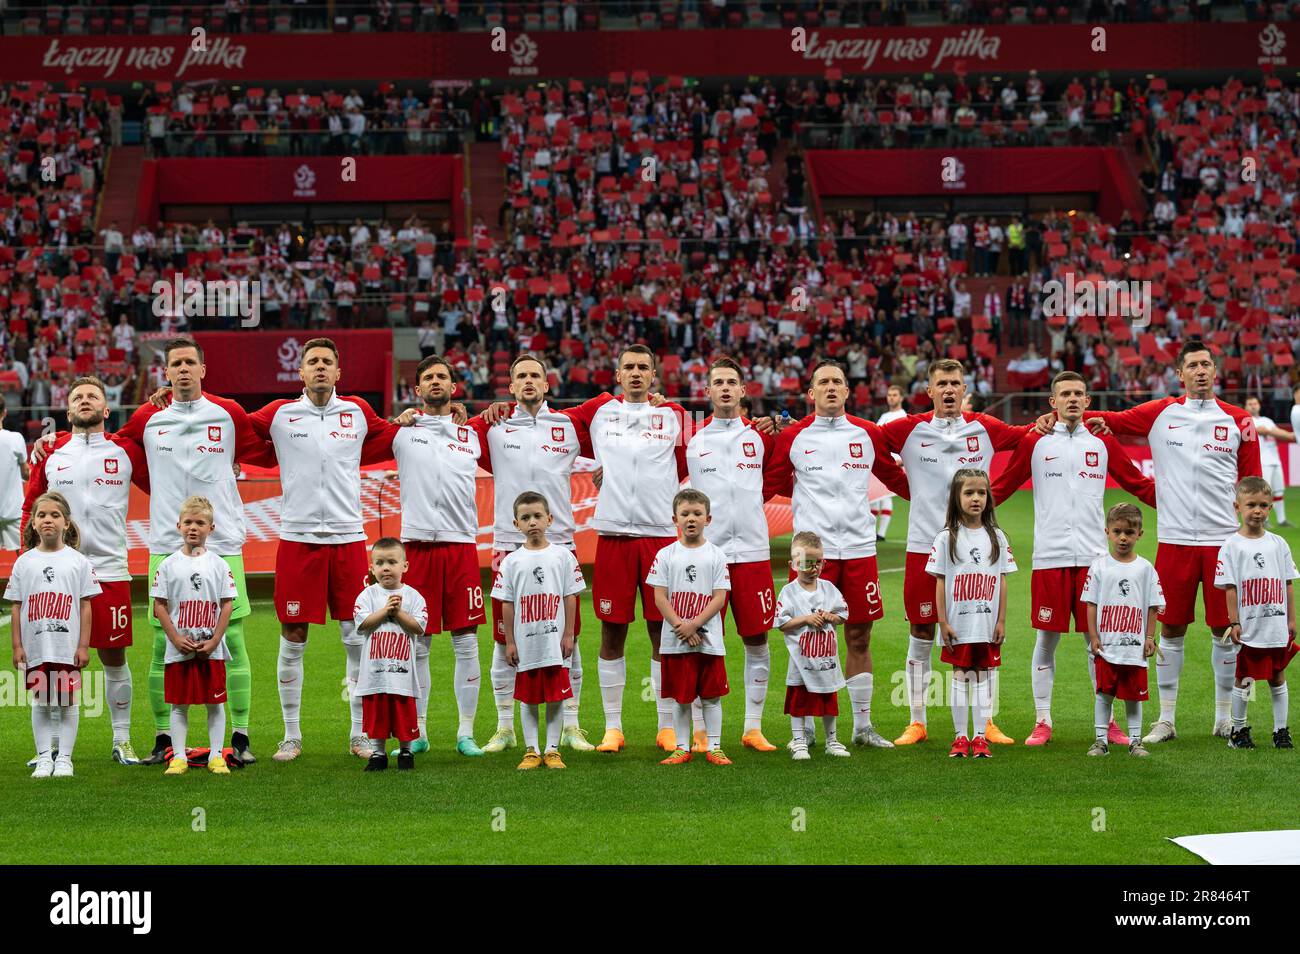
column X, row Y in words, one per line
column 378, row 445
column 133, row 429
column 38, row 482
column 1003, row 435
column 684, row 425
column 890, row 474
column 252, row 431
column 139, row 462
column 481, row 428
column 1136, row 421
column 1248, row 464
column 778, row 475
column 1126, row 473
column 1018, row 468
column 896, row 432
column 585, row 412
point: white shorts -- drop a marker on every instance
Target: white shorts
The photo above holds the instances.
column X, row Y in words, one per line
column 1273, row 474
column 9, row 538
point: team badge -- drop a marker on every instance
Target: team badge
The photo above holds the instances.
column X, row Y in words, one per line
column 292, row 608
column 972, row 443
column 110, row 467
column 1091, row 458
column 927, row 609
column 214, row 432
column 557, row 434
column 1220, row 433
column 658, row 422
column 750, row 450
column 1044, row 614
column 855, row 450
column 462, row 434
column 606, row 606
column 345, row 419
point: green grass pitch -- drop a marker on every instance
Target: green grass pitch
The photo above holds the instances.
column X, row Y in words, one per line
column 904, row 806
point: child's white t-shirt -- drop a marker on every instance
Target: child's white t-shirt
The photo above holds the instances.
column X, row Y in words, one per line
column 536, row 582
column 814, row 654
column 194, row 587
column 972, row 590
column 690, row 575
column 50, row 586
column 388, row 659
column 1260, row 570
column 1123, row 594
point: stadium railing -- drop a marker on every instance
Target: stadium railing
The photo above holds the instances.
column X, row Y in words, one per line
column 381, row 141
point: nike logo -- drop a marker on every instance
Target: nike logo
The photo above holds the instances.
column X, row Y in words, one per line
column 294, row 420
column 567, row 692
column 1044, row 668
column 475, row 678
column 810, row 451
column 219, row 694
column 121, row 705
column 1173, row 427
column 707, row 453
column 62, row 469
column 931, row 444
column 511, row 430
column 161, row 433
column 1050, row 458
column 285, row 682
column 113, row 639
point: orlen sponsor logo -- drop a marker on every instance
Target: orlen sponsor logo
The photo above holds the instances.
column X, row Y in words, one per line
column 977, row 459
column 856, row 465
column 451, row 445
column 107, row 482
column 345, row 435
column 210, row 449
column 1089, row 475
column 1217, row 448
column 553, row 449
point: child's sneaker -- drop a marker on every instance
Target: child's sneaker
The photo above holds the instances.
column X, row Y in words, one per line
column 552, row 760
column 1099, row 747
column 531, row 760
column 1282, row 739
column 716, row 757
column 979, row 748
column 1240, row 739
column 377, row 762
column 405, row 760
column 837, row 749
column 799, row 750
column 44, row 767
column 177, row 767
column 63, row 766
column 1137, row 748
column 960, row 748
column 217, row 764
column 679, row 757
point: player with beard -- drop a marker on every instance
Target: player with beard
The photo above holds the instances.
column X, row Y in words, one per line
column 94, row 473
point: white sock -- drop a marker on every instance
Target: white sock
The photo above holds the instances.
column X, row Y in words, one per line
column 682, row 723
column 1168, row 672
column 1092, row 661
column 571, row 706
column 1133, row 709
column 713, row 721
column 180, row 729
column 663, row 707
column 1240, row 703
column 216, row 729
column 828, row 722
column 796, row 729
column 554, row 725
column 758, row 667
column 882, row 521
column 697, row 715
column 810, row 729
column 422, row 682
column 55, row 720
column 289, row 671
column 466, row 680
column 528, row 714
column 354, row 652
column 982, row 703
column 1224, row 659
column 1101, row 715
column 960, row 702
column 918, row 676
column 43, row 728
column 1281, row 700
column 613, row 676
column 1042, row 673
column 117, row 686
column 860, row 700
column 503, row 686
